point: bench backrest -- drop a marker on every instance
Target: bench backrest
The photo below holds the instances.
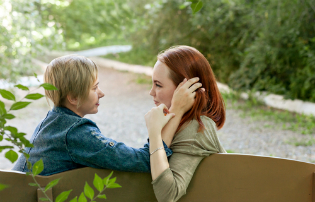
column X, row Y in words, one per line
column 218, row 178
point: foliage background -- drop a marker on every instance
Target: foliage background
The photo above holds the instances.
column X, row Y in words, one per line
column 251, row 45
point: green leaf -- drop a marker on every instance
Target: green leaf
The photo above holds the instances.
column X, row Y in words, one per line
column 82, row 198
column 196, row 6
column 21, row 87
column 113, row 185
column 102, row 196
column 3, row 186
column 19, row 105
column 33, row 184
column 51, row 184
column 194, row 1
column 27, row 156
column 5, row 147
column 20, row 135
column 34, row 96
column 113, row 180
column 8, row 116
column 38, row 167
column 48, row 86
column 7, row 95
column 184, row 5
column 2, row 108
column 26, row 142
column 106, row 179
column 11, row 155
column 74, row 199
column 29, row 165
column 44, row 199
column 88, row 191
column 1, row 138
column 12, row 129
column 35, row 75
column 63, row 196
column 2, row 122
column 98, row 183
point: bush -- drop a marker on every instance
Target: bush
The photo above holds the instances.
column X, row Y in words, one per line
column 251, row 45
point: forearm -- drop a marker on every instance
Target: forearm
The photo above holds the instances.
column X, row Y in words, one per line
column 170, row 128
column 158, row 159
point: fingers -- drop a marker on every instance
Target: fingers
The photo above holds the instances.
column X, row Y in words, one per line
column 193, row 94
column 165, row 111
column 169, row 116
column 181, row 84
column 162, row 106
column 194, row 87
column 190, row 82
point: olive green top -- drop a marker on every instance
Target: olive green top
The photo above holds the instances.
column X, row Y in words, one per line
column 189, row 148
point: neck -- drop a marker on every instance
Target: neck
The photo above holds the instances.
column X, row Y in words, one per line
column 73, row 108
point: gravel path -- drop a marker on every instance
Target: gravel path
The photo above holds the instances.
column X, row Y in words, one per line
column 121, row 117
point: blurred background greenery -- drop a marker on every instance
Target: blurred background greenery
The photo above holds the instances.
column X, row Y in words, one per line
column 264, row 45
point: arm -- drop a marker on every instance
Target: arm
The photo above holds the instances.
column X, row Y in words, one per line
column 171, row 185
column 183, row 99
column 189, row 148
column 88, row 147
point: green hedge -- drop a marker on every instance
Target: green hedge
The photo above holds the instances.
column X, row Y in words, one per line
column 251, row 45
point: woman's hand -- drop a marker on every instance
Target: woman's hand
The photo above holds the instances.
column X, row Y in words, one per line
column 157, row 118
column 184, row 96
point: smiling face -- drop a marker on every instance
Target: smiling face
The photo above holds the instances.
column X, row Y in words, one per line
column 163, row 87
column 90, row 105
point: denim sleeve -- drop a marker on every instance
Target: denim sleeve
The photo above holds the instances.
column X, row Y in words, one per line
column 87, row 146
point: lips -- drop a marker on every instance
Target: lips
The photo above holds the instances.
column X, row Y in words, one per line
column 155, row 102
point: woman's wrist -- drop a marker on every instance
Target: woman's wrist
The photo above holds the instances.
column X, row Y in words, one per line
column 156, row 137
column 177, row 111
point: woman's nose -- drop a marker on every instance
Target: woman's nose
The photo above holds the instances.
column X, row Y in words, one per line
column 152, row 93
column 101, row 93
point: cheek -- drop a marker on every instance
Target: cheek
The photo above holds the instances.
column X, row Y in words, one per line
column 170, row 95
column 165, row 95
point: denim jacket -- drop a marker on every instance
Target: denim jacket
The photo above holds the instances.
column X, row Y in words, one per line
column 65, row 141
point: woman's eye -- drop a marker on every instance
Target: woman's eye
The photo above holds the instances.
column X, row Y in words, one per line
column 157, row 85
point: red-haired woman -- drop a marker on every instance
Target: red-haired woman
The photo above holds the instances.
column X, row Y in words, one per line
column 196, row 135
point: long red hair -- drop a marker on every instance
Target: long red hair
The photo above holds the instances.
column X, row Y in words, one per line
column 187, row 62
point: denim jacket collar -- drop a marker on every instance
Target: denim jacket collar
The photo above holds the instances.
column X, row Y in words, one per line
column 64, row 110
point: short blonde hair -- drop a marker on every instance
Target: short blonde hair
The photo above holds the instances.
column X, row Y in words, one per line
column 73, row 75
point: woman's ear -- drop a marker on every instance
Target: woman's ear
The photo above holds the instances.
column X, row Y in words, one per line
column 72, row 100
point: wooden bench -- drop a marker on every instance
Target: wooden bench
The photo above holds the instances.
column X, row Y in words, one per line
column 218, row 178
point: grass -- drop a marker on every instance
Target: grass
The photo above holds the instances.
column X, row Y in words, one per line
column 304, row 142
column 143, row 79
column 136, row 56
column 275, row 118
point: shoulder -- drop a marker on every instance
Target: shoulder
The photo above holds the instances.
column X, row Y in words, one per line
column 84, row 125
column 202, row 143
column 193, row 126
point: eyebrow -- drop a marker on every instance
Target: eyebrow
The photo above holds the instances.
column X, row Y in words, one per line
column 96, row 84
column 156, row 81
